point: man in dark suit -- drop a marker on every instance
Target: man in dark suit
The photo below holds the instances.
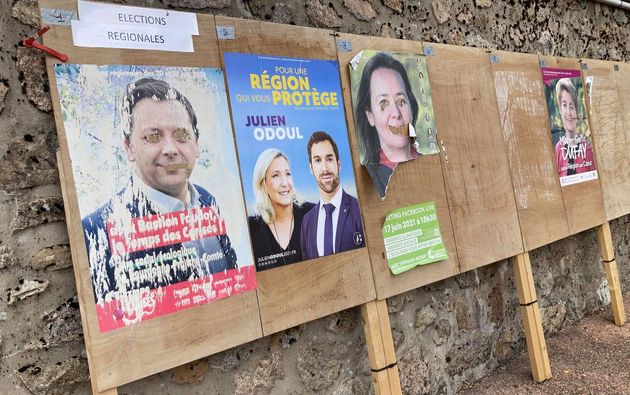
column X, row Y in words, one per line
column 334, row 224
column 127, row 241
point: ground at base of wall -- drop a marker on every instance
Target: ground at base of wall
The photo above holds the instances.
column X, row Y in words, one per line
column 591, row 356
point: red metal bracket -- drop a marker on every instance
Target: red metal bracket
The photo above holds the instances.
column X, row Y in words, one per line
column 34, row 42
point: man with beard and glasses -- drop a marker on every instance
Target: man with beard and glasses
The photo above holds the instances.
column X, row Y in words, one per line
column 160, row 142
column 334, row 224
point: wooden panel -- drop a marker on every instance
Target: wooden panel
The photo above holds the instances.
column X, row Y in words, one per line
column 622, row 77
column 206, row 50
column 609, row 138
column 305, row 291
column 412, row 183
column 277, row 40
column 128, row 354
column 476, row 170
column 583, row 202
column 525, row 125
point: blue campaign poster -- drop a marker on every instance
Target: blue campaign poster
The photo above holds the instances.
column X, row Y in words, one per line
column 278, row 105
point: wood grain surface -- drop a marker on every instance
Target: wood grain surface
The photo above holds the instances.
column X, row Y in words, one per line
column 302, row 292
column 128, row 354
column 609, row 136
column 583, row 202
column 413, row 182
column 525, row 125
column 476, row 170
column 622, row 76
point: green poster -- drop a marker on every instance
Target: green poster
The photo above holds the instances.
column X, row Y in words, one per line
column 412, row 237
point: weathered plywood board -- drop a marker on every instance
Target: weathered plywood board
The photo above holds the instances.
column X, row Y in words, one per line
column 128, row 354
column 413, row 182
column 525, row 125
column 622, row 77
column 305, row 291
column 609, row 137
column 206, row 50
column 476, row 170
column 583, row 202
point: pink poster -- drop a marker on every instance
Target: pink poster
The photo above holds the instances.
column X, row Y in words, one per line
column 570, row 132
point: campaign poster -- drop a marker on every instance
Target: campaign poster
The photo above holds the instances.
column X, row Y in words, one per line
column 570, row 132
column 156, row 179
column 393, row 112
column 412, row 237
column 295, row 158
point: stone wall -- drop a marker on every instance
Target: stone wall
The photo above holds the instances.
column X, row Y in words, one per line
column 446, row 334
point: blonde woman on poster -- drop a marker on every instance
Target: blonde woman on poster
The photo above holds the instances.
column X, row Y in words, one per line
column 275, row 230
column 573, row 152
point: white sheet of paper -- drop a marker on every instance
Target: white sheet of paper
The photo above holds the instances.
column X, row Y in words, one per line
column 107, row 35
column 186, row 22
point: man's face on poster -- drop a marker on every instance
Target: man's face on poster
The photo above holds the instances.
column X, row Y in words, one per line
column 325, row 166
column 162, row 145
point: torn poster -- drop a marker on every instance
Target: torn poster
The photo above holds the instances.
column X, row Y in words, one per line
column 393, row 112
column 156, row 179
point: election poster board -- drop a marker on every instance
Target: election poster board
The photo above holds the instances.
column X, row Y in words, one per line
column 294, row 155
column 419, row 180
column 129, row 353
column 299, row 292
column 524, row 123
column 583, row 201
column 149, row 145
column 393, row 111
column 475, row 162
column 606, row 113
column 570, row 131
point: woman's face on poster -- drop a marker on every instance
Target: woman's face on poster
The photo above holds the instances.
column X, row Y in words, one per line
column 390, row 109
column 568, row 112
column 279, row 182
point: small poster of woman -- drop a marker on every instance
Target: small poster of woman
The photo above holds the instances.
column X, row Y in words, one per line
column 393, row 112
column 570, row 131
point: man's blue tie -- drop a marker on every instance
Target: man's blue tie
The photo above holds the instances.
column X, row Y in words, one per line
column 328, row 229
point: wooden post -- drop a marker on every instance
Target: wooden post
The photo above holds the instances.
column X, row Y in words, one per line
column 380, row 345
column 532, row 324
column 388, row 345
column 610, row 266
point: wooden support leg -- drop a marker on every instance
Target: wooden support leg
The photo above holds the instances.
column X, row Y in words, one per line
column 380, row 344
column 70, row 224
column 388, row 345
column 532, row 324
column 610, row 266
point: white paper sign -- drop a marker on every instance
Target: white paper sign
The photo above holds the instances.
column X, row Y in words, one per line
column 185, row 22
column 106, row 35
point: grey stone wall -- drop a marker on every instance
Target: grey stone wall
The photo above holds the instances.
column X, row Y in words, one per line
column 446, row 334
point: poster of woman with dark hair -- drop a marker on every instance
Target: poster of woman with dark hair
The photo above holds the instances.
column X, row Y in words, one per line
column 393, row 112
